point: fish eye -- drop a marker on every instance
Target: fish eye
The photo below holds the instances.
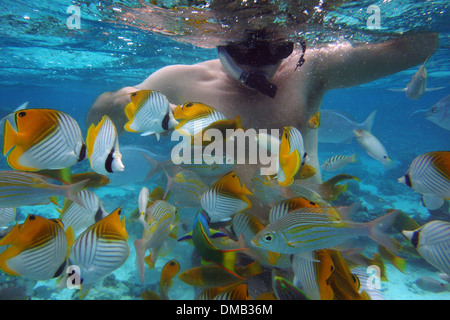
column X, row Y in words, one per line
column 286, row 135
column 172, row 263
column 22, row 114
column 385, row 157
column 434, row 110
column 32, row 217
column 312, row 203
column 190, row 104
column 268, row 237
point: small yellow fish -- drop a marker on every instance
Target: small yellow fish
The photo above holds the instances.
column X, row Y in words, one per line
column 168, row 272
column 314, row 121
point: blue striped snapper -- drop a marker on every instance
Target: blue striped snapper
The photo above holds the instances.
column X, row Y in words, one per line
column 429, row 175
column 247, row 226
column 39, row 139
column 7, row 216
column 100, row 249
column 149, row 112
column 37, row 249
column 225, row 198
column 81, row 217
column 338, row 162
column 25, row 189
column 305, row 231
column 432, row 242
column 102, row 145
column 159, row 224
column 193, row 117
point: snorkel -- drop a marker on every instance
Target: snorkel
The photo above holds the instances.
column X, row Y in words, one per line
column 258, row 81
column 256, row 51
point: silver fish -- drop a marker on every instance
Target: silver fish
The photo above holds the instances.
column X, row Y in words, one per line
column 438, row 113
column 373, row 147
column 417, row 86
column 337, row 127
column 19, row 188
column 432, row 285
column 432, row 242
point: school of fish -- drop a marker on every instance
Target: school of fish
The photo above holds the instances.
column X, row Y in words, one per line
column 281, row 238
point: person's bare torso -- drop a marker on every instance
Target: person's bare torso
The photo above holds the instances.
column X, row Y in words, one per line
column 294, row 103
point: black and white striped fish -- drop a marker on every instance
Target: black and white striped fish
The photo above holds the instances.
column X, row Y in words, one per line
column 102, row 145
column 338, row 162
column 37, row 249
column 432, row 242
column 429, row 175
column 100, row 250
column 82, row 217
column 149, row 112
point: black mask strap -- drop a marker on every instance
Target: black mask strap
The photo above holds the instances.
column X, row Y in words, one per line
column 301, row 61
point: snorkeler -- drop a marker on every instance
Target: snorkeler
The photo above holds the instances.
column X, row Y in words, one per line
column 270, row 83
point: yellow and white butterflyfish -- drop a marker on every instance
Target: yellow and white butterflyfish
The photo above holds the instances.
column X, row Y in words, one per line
column 102, row 144
column 37, row 249
column 193, row 117
column 225, row 198
column 99, row 250
column 39, row 139
column 291, row 156
column 149, row 113
column 81, row 217
column 429, row 175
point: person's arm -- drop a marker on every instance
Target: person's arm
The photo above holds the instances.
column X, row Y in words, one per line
column 341, row 66
column 113, row 103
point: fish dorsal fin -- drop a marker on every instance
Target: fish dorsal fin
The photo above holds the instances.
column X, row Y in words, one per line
column 139, row 97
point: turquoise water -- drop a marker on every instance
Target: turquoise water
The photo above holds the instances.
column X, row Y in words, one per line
column 45, row 63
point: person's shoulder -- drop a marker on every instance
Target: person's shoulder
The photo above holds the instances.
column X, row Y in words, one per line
column 201, row 67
